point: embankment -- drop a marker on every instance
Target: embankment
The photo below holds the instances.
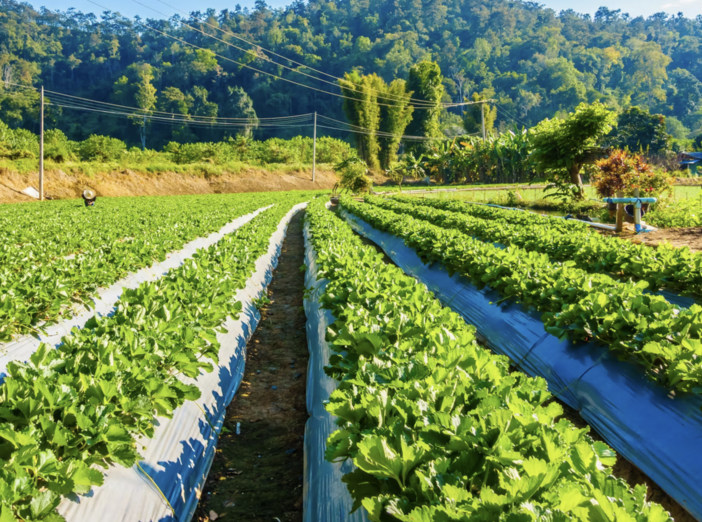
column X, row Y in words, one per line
column 61, row 185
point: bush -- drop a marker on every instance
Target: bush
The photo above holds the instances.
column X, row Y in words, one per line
column 354, row 175
column 102, row 148
column 626, row 172
column 57, row 147
column 684, row 213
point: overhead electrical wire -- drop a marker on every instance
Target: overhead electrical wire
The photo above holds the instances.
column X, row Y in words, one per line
column 181, row 40
column 340, row 125
column 380, row 95
column 68, row 101
column 196, row 123
column 510, row 116
column 77, row 102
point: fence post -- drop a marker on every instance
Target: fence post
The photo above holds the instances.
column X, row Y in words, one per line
column 620, row 214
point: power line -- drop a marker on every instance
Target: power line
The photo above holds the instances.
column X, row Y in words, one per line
column 137, row 111
column 200, row 123
column 261, row 71
column 512, row 117
column 364, row 130
column 303, row 120
column 427, row 104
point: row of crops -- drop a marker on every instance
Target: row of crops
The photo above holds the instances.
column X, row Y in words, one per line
column 53, row 256
column 626, row 358
column 438, row 427
column 93, row 401
column 585, row 303
column 126, row 411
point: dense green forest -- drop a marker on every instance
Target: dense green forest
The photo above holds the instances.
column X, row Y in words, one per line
column 535, row 62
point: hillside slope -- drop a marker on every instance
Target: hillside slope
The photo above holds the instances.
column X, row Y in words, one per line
column 61, row 185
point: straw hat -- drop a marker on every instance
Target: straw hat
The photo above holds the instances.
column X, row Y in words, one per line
column 88, row 194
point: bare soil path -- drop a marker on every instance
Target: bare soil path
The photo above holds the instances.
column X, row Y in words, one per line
column 256, row 475
column 677, row 237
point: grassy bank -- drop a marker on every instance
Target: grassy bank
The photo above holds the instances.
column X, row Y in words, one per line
column 202, row 168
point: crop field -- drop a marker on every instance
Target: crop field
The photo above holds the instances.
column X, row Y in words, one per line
column 681, row 193
column 472, row 363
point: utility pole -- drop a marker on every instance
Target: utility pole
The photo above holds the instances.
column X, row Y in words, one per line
column 482, row 118
column 41, row 147
column 314, row 148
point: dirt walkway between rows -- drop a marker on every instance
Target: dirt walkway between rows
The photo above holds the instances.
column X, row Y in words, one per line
column 677, row 237
column 256, row 475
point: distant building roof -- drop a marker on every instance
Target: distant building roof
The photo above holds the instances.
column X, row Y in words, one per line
column 690, row 162
column 696, row 155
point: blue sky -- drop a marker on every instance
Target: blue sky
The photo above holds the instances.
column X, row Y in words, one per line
column 690, row 8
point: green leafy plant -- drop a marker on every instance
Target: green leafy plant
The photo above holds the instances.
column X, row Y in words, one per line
column 437, row 427
column 353, row 172
column 562, row 240
column 560, row 147
column 82, row 406
column 575, row 304
column 101, row 148
column 670, row 213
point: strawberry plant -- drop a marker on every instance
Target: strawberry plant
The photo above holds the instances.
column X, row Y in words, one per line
column 57, row 254
column 664, row 339
column 662, row 267
column 437, row 427
column 69, row 411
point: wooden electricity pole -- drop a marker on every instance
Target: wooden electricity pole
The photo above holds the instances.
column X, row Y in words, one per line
column 41, row 147
column 482, row 118
column 314, row 148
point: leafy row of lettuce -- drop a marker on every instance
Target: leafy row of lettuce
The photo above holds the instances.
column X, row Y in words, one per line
column 576, row 304
column 677, row 269
column 57, row 254
column 437, row 426
column 81, row 406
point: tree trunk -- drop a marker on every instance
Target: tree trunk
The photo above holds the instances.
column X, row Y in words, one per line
column 575, row 179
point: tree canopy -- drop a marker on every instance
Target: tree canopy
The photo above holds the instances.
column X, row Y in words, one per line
column 560, row 146
column 534, row 62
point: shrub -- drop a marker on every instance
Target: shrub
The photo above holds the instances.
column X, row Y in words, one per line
column 101, row 148
column 57, row 147
column 681, row 213
column 625, row 172
column 354, row 175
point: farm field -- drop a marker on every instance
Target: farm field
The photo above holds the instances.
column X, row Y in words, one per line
column 58, row 254
column 438, row 422
column 681, row 193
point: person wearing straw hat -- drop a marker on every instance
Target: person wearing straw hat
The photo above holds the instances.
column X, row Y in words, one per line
column 89, row 197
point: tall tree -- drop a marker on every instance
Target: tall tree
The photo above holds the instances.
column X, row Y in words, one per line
column 395, row 115
column 649, row 65
column 361, row 109
column 639, row 130
column 426, row 82
column 560, row 147
column 240, row 105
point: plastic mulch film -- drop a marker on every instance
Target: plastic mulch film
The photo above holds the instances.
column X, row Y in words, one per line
column 166, row 485
column 657, row 431
column 326, row 498
column 104, row 302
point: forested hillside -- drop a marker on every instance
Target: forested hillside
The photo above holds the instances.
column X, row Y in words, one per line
column 535, row 62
